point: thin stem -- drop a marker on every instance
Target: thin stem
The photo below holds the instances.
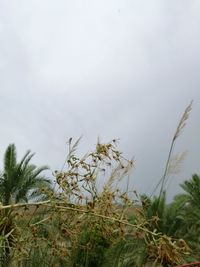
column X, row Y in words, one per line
column 21, row 205
column 53, row 205
column 166, row 167
column 104, row 217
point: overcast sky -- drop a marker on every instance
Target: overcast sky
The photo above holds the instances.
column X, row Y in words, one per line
column 113, row 68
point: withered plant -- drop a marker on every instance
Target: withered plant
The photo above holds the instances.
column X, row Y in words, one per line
column 85, row 219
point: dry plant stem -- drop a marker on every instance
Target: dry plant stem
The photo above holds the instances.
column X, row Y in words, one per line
column 104, row 217
column 21, row 205
column 48, row 204
column 37, row 223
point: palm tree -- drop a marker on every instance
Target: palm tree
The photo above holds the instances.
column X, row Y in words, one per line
column 169, row 215
column 21, row 181
column 18, row 182
column 192, row 189
column 190, row 230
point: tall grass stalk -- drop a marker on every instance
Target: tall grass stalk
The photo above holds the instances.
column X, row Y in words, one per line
column 178, row 131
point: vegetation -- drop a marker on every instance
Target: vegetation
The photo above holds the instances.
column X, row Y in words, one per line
column 80, row 224
column 20, row 181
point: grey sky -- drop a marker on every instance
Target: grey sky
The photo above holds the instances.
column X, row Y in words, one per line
column 112, row 68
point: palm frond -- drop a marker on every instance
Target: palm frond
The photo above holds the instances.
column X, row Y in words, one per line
column 10, row 159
